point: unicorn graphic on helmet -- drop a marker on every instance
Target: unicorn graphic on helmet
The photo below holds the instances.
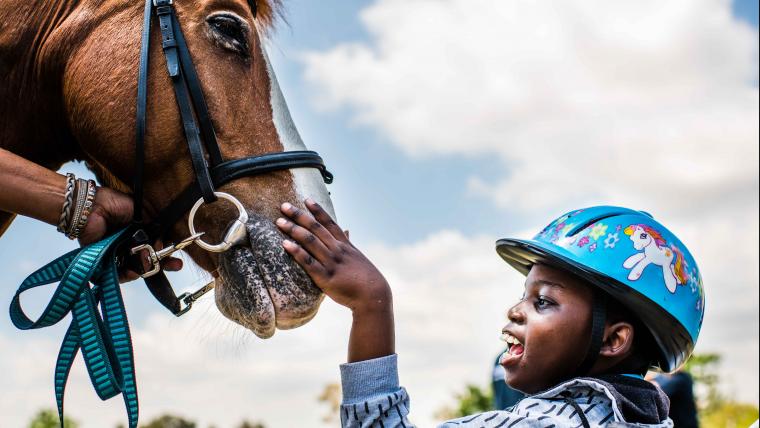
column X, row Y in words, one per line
column 656, row 251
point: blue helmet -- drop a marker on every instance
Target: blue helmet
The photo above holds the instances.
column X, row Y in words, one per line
column 634, row 259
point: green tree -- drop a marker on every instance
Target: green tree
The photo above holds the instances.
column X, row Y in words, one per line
column 331, row 396
column 248, row 424
column 473, row 400
column 169, row 421
column 49, row 419
column 715, row 409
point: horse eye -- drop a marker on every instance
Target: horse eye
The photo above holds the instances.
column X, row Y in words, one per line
column 643, row 236
column 230, row 33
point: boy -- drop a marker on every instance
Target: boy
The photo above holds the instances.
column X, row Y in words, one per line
column 609, row 293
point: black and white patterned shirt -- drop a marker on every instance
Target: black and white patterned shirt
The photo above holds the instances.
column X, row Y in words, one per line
column 372, row 397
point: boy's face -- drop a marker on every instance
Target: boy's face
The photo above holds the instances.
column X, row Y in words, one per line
column 552, row 323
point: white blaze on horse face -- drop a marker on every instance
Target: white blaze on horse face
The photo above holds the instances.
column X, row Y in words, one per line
column 308, row 182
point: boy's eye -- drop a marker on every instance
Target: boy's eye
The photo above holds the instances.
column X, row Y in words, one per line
column 542, row 303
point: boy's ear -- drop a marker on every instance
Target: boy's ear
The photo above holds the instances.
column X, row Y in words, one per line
column 618, row 339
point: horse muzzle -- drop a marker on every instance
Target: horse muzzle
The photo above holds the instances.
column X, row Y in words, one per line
column 261, row 287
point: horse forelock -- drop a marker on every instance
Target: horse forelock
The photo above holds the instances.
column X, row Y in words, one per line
column 267, row 13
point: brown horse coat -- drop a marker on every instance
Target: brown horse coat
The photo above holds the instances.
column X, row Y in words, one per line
column 67, row 92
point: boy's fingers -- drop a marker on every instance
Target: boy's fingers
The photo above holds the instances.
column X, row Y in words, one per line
column 306, row 220
column 321, row 215
column 304, row 259
column 306, row 239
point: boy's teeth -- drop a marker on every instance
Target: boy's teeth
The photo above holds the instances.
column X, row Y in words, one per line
column 506, row 337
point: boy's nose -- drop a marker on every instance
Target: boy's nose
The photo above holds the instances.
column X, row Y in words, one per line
column 515, row 314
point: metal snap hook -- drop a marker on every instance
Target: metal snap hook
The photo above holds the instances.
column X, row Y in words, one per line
column 236, row 234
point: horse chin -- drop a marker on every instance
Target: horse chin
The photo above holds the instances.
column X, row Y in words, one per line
column 261, row 287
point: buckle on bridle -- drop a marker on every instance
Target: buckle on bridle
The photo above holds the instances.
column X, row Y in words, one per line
column 154, row 257
column 236, row 234
column 189, row 298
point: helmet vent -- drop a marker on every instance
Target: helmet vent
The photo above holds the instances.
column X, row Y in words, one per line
column 577, row 229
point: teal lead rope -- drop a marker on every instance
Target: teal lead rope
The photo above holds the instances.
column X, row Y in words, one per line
column 99, row 325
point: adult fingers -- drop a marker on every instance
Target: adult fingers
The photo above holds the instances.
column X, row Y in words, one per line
column 325, row 220
column 304, row 259
column 171, row 264
column 307, row 240
column 307, row 221
column 127, row 276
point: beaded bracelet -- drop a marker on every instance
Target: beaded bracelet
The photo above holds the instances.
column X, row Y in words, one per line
column 68, row 199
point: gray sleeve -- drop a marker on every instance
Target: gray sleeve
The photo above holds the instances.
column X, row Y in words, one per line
column 372, row 395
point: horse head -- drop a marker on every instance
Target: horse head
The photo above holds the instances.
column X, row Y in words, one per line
column 97, row 44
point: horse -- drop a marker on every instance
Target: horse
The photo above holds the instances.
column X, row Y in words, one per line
column 655, row 251
column 68, row 91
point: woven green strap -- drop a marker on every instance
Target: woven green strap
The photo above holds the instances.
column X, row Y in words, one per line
column 101, row 333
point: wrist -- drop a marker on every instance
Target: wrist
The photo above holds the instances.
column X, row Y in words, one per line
column 377, row 300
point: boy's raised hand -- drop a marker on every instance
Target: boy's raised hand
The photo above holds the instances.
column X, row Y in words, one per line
column 321, row 247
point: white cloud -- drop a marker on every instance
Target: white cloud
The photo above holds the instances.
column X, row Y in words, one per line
column 645, row 104
column 451, row 293
column 649, row 101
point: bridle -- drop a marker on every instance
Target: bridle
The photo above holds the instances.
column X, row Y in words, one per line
column 210, row 168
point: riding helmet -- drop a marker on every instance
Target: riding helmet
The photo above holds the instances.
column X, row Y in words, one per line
column 635, row 260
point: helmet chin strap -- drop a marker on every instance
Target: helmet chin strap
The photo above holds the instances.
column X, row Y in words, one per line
column 598, row 320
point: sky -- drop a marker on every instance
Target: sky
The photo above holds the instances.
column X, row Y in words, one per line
column 449, row 124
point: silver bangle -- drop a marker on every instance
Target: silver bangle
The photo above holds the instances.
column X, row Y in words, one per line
column 68, row 199
column 86, row 208
column 78, row 207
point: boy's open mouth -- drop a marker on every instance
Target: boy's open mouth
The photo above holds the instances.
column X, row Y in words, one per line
column 514, row 351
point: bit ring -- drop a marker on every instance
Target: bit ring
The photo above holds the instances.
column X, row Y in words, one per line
column 236, row 234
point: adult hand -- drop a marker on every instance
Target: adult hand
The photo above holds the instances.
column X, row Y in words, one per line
column 112, row 210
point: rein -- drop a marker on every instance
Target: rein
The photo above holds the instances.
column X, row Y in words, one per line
column 99, row 321
column 88, row 282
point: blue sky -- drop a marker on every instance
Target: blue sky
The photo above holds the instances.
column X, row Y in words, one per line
column 426, row 197
column 376, row 184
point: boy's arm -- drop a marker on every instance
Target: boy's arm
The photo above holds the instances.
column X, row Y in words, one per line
column 372, row 395
column 371, row 391
column 321, row 247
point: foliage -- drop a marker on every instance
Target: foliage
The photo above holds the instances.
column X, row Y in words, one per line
column 331, row 396
column 169, row 421
column 715, row 410
column 729, row 415
column 473, row 400
column 248, row 424
column 49, row 419
column 703, row 369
